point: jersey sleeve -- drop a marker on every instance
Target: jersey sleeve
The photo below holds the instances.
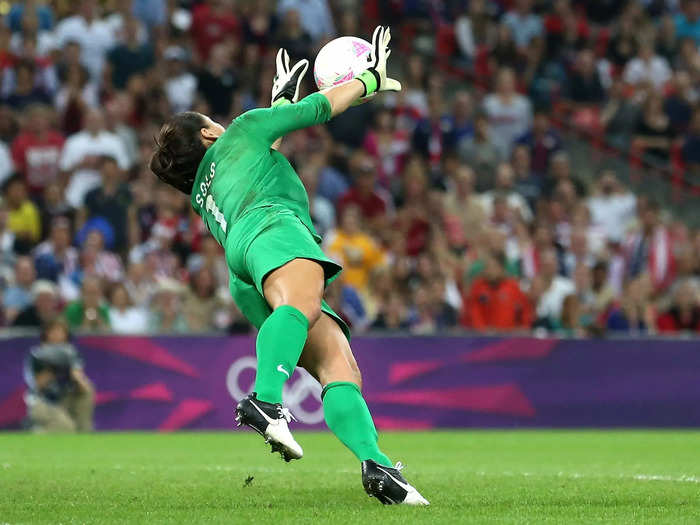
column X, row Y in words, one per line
column 269, row 124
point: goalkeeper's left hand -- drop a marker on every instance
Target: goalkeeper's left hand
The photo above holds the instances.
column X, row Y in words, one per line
column 374, row 78
column 285, row 87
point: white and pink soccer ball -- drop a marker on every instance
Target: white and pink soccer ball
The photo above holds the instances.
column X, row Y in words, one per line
column 341, row 60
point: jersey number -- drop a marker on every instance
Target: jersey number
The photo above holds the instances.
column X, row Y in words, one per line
column 212, row 208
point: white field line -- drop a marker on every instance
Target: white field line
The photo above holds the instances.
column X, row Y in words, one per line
column 683, row 478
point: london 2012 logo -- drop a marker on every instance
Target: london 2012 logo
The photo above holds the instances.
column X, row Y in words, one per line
column 302, row 393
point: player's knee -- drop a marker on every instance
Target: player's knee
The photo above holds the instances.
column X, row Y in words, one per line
column 312, row 310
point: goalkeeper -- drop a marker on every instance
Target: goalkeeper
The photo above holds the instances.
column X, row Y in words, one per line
column 256, row 207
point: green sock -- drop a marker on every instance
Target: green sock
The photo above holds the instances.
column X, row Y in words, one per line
column 349, row 419
column 280, row 341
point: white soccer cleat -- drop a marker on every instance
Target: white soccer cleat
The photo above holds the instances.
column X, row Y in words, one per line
column 271, row 421
column 388, row 485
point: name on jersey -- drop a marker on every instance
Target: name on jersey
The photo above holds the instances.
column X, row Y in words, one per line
column 204, row 185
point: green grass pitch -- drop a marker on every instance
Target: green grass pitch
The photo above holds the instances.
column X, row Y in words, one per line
column 469, row 477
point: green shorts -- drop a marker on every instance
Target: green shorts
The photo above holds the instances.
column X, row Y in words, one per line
column 261, row 241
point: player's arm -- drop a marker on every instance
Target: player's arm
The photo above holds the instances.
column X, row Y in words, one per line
column 284, row 116
column 285, row 86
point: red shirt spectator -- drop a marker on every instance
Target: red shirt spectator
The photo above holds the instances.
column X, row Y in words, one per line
column 363, row 193
column 496, row 301
column 684, row 314
column 36, row 151
column 212, row 23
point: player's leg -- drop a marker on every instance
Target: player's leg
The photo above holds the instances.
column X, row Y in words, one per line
column 294, row 293
column 328, row 357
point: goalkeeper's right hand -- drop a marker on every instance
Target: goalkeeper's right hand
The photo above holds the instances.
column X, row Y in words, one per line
column 374, row 78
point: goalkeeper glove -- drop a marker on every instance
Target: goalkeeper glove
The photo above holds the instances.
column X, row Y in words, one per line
column 374, row 78
column 285, row 86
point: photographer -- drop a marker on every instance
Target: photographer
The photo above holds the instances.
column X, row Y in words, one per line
column 60, row 397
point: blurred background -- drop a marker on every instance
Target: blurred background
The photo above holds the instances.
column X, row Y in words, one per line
column 533, row 191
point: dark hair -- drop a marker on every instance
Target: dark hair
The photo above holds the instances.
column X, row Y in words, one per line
column 179, row 150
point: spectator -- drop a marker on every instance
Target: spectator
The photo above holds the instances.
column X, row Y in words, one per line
column 83, row 154
column 110, row 200
column 611, row 206
column 293, row 37
column 619, row 116
column 649, row 248
column 647, row 67
column 213, row 21
column 93, row 34
column 22, row 215
column 45, row 306
column 315, row 16
column 363, row 193
column 202, row 306
column 634, row 314
column 495, row 301
column 688, row 20
column 505, row 186
column 480, row 151
column 654, row 134
column 549, row 289
column 18, row 295
column 543, row 142
column 180, row 85
column 602, row 293
column 392, row 314
column 166, row 308
column 524, row 24
column 25, row 93
column 55, row 257
column 464, row 214
column 388, row 146
column 130, row 56
column 124, row 317
column 37, row 149
column 585, row 86
column 90, row 313
column 61, row 398
column 357, row 252
column 218, row 81
column 509, row 113
column 684, row 314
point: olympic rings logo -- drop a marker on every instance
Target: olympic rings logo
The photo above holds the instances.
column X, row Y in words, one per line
column 296, row 391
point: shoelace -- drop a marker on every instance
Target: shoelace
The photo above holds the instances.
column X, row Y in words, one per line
column 399, row 466
column 286, row 414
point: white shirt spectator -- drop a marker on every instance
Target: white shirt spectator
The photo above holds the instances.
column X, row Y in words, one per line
column 552, row 299
column 6, row 164
column 180, row 91
column 315, row 16
column 655, row 70
column 613, row 213
column 89, row 95
column 133, row 320
column 508, row 121
column 515, row 201
column 524, row 27
column 464, row 34
column 84, row 144
column 95, row 39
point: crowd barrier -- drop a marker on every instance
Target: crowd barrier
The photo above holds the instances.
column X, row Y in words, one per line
column 170, row 383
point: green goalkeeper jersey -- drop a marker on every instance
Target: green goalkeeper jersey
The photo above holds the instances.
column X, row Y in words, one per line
column 240, row 172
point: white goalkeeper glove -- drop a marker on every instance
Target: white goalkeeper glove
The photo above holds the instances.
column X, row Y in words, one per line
column 374, row 78
column 285, row 86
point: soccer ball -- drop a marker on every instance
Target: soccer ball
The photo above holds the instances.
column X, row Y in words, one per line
column 341, row 60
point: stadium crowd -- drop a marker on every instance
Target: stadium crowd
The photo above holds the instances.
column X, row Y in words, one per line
column 452, row 205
